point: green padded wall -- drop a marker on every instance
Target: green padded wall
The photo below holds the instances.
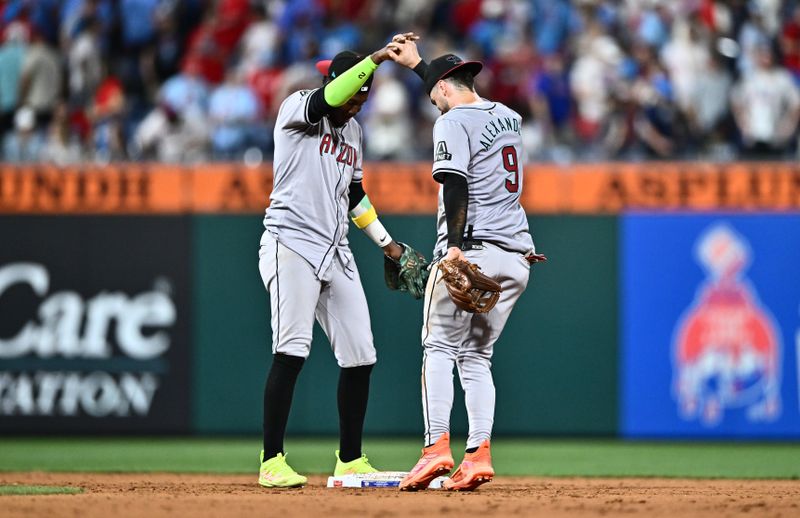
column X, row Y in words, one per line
column 555, row 365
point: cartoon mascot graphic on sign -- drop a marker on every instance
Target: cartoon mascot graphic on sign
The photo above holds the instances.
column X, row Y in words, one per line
column 727, row 346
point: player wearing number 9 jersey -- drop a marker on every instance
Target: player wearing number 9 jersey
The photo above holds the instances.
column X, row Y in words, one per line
column 480, row 142
column 477, row 159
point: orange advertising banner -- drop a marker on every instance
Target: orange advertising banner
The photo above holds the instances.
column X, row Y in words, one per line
column 401, row 188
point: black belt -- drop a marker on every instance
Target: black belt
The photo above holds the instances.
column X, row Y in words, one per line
column 478, row 244
column 470, row 243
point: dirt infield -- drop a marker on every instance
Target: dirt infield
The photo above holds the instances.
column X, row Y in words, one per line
column 200, row 496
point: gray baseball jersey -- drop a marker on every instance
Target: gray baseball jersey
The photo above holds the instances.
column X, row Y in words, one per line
column 313, row 167
column 304, row 258
column 482, row 142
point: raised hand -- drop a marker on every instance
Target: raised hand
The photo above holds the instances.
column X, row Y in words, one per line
column 405, row 52
column 393, row 48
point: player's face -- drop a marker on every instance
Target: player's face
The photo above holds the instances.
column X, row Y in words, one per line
column 438, row 99
column 344, row 113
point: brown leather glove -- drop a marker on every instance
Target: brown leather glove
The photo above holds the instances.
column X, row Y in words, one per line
column 469, row 288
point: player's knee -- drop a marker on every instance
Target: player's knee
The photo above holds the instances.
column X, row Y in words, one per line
column 356, row 357
column 443, row 350
column 300, row 347
column 482, row 357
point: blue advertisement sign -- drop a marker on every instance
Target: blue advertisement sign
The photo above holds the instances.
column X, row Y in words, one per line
column 710, row 323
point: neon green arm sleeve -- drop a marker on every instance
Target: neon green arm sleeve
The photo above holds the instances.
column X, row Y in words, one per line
column 342, row 88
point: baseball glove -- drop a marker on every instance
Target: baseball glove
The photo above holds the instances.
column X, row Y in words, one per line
column 409, row 273
column 469, row 288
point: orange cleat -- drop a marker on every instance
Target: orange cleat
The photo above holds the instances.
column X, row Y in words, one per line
column 436, row 461
column 475, row 470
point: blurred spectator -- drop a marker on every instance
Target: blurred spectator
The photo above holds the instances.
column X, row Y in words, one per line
column 686, row 58
column 507, row 74
column 73, row 12
column 550, row 101
column 205, row 52
column 233, row 111
column 643, row 124
column 107, row 114
column 61, row 145
column 12, row 55
column 265, row 83
column 168, row 136
column 766, row 104
column 388, row 122
column 41, row 16
column 490, row 27
column 591, row 80
column 137, row 32
column 85, row 62
column 231, row 18
column 551, row 24
column 300, row 24
column 707, row 109
column 186, row 92
column 657, row 125
column 161, row 59
column 338, row 34
column 24, row 143
column 260, row 43
column 41, row 80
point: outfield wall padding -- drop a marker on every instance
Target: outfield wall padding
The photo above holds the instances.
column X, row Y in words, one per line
column 555, row 365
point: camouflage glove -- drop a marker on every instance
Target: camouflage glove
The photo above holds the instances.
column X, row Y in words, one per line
column 409, row 273
column 469, row 288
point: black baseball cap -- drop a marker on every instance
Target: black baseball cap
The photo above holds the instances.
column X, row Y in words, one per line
column 342, row 61
column 444, row 66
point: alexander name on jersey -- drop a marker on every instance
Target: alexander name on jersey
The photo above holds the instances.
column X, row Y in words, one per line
column 495, row 127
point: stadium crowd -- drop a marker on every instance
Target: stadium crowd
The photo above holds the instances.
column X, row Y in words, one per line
column 194, row 80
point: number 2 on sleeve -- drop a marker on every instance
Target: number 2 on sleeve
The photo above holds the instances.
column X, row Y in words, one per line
column 512, row 166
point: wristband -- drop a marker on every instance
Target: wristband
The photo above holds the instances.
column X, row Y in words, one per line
column 366, row 218
column 378, row 233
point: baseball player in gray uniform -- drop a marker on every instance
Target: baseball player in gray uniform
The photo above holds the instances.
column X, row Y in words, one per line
column 305, row 259
column 478, row 161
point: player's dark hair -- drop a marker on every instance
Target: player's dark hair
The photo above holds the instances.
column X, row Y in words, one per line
column 462, row 79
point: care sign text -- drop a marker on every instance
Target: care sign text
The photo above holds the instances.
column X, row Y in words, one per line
column 68, row 326
column 94, row 337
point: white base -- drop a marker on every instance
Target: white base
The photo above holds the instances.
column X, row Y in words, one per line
column 379, row 479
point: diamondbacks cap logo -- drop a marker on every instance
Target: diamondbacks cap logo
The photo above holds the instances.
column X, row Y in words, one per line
column 441, row 152
column 454, row 60
column 726, row 346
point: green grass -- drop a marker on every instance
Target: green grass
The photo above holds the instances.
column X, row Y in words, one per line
column 563, row 458
column 38, row 490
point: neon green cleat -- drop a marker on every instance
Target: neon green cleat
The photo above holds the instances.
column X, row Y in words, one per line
column 354, row 467
column 275, row 472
